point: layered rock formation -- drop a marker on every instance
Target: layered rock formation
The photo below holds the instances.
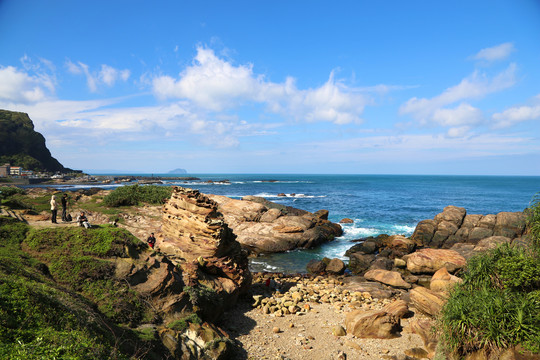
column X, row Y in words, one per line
column 196, row 236
column 265, row 227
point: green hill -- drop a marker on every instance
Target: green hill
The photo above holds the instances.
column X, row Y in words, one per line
column 21, row 145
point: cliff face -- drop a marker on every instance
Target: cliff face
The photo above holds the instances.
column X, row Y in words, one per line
column 22, row 146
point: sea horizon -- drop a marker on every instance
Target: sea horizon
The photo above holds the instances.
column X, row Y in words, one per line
column 376, row 203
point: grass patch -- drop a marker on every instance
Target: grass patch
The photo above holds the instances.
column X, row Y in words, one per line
column 81, row 259
column 38, row 320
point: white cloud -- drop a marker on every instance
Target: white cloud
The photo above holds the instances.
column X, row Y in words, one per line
column 494, row 53
column 214, row 84
column 107, row 75
column 19, row 86
column 435, row 110
column 517, row 114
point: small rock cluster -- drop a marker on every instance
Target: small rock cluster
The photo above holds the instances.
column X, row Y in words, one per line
column 280, row 295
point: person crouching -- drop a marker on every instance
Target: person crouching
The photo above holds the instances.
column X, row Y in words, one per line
column 83, row 220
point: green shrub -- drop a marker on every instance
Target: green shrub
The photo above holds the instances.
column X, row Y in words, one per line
column 134, row 194
column 6, row 191
column 533, row 220
column 497, row 305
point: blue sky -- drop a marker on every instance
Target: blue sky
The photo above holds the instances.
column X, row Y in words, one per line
column 367, row 87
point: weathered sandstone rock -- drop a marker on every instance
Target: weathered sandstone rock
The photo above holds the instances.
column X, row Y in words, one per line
column 360, row 262
column 431, row 260
column 397, row 308
column 427, row 301
column 392, row 278
column 377, row 290
column 425, row 329
column 263, row 227
column 491, row 243
column 195, row 235
column 336, row 267
column 377, row 324
column 442, row 281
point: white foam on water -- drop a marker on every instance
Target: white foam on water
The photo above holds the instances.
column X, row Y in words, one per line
column 351, row 232
column 295, row 196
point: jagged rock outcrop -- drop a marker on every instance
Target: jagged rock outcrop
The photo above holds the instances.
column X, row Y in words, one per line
column 196, row 236
column 265, row 227
column 454, row 225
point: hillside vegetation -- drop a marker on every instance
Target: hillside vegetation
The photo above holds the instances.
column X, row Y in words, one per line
column 58, row 298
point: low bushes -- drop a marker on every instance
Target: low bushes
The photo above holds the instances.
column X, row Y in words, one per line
column 498, row 304
column 135, row 194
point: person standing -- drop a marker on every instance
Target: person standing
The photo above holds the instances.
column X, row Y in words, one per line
column 54, row 209
column 65, row 202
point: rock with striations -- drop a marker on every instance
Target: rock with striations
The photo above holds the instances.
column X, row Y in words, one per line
column 426, row 300
column 265, row 227
column 377, row 324
column 443, row 281
column 428, row 261
column 391, row 278
column 196, row 236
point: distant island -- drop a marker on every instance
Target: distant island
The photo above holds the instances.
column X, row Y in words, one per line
column 178, row 171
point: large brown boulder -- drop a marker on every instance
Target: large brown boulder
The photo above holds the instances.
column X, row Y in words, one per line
column 431, row 260
column 336, row 267
column 423, row 233
column 377, row 324
column 509, row 224
column 375, row 289
column 360, row 262
column 442, row 281
column 392, row 278
column 265, row 227
column 452, row 214
column 491, row 243
column 427, row 301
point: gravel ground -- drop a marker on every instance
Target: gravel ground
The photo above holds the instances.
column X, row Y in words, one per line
column 308, row 336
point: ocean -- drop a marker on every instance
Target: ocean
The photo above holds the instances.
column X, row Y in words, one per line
column 378, row 204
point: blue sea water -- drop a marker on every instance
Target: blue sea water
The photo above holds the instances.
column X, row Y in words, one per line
column 378, row 204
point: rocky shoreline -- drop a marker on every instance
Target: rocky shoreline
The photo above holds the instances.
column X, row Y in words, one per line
column 392, row 289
